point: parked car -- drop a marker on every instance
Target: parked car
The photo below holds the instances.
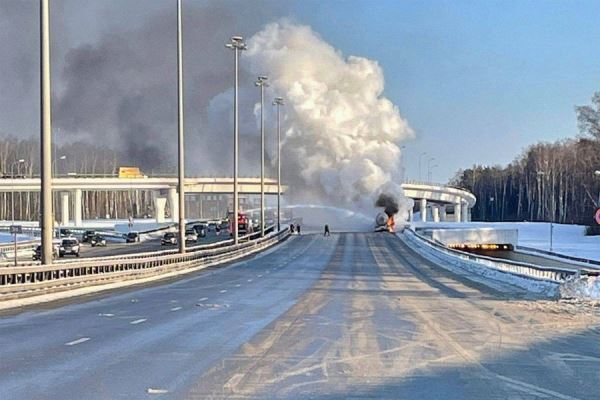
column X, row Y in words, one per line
column 201, row 230
column 97, row 240
column 69, row 246
column 191, row 235
column 168, row 239
column 85, row 238
column 132, row 237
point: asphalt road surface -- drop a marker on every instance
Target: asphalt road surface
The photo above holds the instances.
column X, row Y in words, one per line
column 352, row 316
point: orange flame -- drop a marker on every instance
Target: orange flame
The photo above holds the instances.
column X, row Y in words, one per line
column 391, row 225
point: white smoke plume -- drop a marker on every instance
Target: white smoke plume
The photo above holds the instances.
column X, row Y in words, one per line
column 341, row 136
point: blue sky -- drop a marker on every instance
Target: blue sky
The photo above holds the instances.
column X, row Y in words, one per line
column 477, row 80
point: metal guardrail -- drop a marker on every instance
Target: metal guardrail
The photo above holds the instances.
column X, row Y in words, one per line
column 17, row 282
column 539, row 272
column 559, row 255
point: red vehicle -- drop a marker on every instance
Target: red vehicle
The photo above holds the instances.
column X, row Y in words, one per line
column 242, row 221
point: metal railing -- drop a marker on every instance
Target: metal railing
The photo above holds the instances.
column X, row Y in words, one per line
column 18, row 282
column 527, row 270
column 592, row 263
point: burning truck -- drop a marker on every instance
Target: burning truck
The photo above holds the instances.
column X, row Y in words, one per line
column 384, row 222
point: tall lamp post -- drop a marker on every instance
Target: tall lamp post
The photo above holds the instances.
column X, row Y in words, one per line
column 45, row 135
column 54, row 170
column 429, row 167
column 278, row 102
column 420, row 156
column 12, row 204
column 236, row 44
column 180, row 140
column 540, row 175
column 430, row 172
column 261, row 82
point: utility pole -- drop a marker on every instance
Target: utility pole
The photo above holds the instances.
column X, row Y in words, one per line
column 180, row 139
column 261, row 82
column 46, row 136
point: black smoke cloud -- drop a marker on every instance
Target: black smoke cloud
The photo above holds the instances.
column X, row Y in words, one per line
column 121, row 90
column 389, row 204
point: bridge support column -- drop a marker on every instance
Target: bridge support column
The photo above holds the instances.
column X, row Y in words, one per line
column 435, row 213
column 159, row 208
column 424, row 210
column 64, row 207
column 465, row 213
column 174, row 204
column 443, row 213
column 77, row 208
column 457, row 212
column 410, row 215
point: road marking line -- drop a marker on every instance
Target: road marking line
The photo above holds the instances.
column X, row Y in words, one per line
column 249, row 280
column 223, row 291
column 156, row 391
column 138, row 321
column 74, row 342
column 238, row 285
column 175, row 308
column 203, row 299
column 260, row 276
column 106, row 315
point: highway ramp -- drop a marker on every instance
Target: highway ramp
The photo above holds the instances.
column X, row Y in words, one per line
column 348, row 316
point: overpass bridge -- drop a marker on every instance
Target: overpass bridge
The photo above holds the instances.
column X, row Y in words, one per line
column 71, row 189
column 436, row 202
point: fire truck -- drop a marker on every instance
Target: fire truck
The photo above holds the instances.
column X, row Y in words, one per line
column 242, row 222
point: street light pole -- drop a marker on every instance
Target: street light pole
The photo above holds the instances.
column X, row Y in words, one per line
column 12, row 204
column 236, row 44
column 421, row 155
column 54, row 170
column 430, row 173
column 45, row 136
column 278, row 102
column 429, row 167
column 180, row 128
column 262, row 83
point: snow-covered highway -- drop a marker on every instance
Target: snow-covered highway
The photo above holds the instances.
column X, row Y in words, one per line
column 349, row 316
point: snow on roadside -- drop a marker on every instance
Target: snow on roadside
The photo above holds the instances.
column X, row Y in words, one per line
column 582, row 288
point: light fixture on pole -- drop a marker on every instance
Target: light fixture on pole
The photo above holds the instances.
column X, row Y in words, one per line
column 237, row 45
column 278, row 102
column 261, row 82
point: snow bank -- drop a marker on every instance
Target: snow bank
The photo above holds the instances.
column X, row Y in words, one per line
column 479, row 272
column 583, row 288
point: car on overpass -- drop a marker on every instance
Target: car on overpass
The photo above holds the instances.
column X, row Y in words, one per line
column 132, row 237
column 97, row 241
column 191, row 235
column 169, row 238
column 69, row 246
